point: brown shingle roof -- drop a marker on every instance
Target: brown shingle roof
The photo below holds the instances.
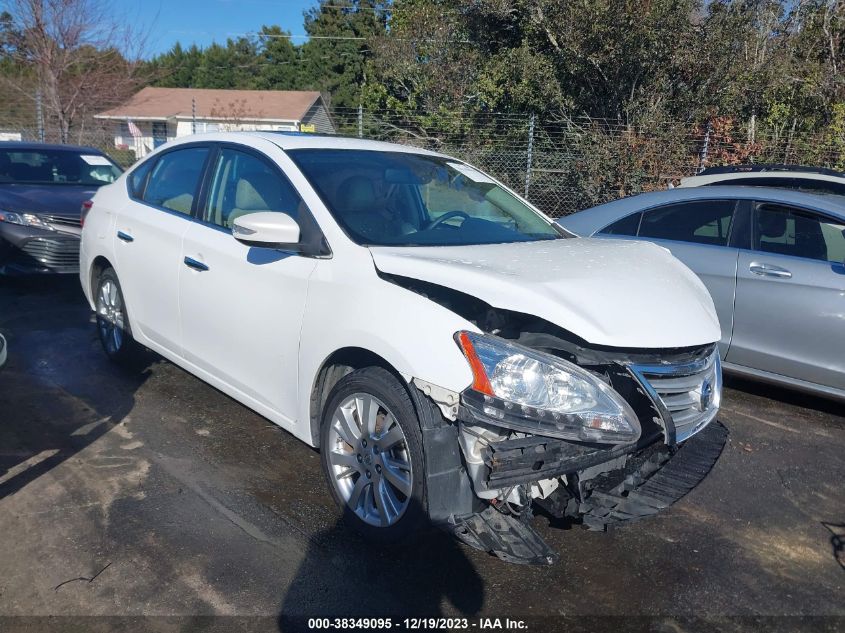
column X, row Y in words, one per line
column 161, row 103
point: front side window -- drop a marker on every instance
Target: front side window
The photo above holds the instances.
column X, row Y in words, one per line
column 175, row 178
column 700, row 222
column 788, row 231
column 393, row 198
column 242, row 184
column 56, row 167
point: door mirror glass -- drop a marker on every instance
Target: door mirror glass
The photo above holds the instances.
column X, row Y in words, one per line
column 269, row 229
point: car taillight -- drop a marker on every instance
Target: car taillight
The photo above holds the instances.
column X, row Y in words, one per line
column 86, row 207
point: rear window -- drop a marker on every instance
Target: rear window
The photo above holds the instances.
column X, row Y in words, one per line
column 56, row 167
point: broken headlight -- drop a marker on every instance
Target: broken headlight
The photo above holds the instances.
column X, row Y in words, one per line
column 522, row 389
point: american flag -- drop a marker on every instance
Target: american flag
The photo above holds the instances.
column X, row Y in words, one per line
column 134, row 130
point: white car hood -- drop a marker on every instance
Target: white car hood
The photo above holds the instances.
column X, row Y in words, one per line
column 619, row 293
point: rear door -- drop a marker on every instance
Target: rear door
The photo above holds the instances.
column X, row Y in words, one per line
column 790, row 301
column 241, row 307
column 148, row 242
column 699, row 234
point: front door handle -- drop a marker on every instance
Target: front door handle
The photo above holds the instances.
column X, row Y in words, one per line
column 190, row 262
column 125, row 237
column 769, row 270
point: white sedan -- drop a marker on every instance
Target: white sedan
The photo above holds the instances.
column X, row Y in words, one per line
column 454, row 355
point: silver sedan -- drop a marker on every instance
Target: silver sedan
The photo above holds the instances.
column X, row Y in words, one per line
column 773, row 260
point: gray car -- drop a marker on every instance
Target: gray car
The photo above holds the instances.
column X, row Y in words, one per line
column 773, row 261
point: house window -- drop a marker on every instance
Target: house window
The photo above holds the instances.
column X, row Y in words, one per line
column 159, row 133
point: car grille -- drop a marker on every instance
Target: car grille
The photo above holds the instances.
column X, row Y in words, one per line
column 61, row 220
column 689, row 391
column 60, row 254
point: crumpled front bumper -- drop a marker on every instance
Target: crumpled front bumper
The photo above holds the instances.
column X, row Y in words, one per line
column 651, row 480
column 634, row 486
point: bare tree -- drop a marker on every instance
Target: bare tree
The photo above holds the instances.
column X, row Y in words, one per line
column 232, row 115
column 82, row 58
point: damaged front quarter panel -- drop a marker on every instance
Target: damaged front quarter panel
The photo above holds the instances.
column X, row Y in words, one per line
column 487, row 480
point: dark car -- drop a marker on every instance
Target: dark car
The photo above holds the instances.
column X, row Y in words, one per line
column 42, row 188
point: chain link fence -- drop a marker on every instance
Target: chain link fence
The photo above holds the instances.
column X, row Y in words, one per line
column 560, row 165
column 569, row 164
column 94, row 133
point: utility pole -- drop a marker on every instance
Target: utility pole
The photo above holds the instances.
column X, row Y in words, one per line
column 705, row 147
column 530, row 154
column 39, row 115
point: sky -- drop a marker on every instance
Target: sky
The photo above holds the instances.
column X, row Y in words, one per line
column 204, row 21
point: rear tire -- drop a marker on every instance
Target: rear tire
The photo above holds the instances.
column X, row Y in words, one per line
column 372, row 457
column 113, row 327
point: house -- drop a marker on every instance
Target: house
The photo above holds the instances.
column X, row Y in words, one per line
column 154, row 116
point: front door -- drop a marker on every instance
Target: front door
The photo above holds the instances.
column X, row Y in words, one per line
column 241, row 307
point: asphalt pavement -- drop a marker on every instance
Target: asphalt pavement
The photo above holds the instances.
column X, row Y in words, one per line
column 149, row 493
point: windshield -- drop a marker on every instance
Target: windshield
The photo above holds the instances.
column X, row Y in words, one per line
column 401, row 199
column 56, row 167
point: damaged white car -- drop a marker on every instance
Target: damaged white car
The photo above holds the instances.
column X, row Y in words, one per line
column 457, row 358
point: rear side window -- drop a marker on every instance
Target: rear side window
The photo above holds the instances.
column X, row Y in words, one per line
column 788, row 231
column 700, row 222
column 626, row 226
column 175, row 178
column 138, row 178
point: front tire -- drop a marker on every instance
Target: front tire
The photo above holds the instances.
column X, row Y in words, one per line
column 372, row 457
column 113, row 327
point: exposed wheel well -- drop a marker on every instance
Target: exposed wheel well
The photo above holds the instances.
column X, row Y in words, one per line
column 99, row 264
column 335, row 367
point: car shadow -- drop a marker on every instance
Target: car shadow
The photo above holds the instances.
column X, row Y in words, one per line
column 785, row 395
column 58, row 391
column 344, row 576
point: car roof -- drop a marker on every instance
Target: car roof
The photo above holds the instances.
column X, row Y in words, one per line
column 589, row 221
column 35, row 146
column 777, row 168
column 295, row 140
column 705, row 178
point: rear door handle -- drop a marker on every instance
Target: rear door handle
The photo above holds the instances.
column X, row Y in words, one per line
column 125, row 237
column 190, row 262
column 769, row 270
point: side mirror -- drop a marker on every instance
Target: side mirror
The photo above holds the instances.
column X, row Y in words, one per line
column 269, row 229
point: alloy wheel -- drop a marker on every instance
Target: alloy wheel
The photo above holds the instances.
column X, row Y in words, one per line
column 370, row 461
column 110, row 316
